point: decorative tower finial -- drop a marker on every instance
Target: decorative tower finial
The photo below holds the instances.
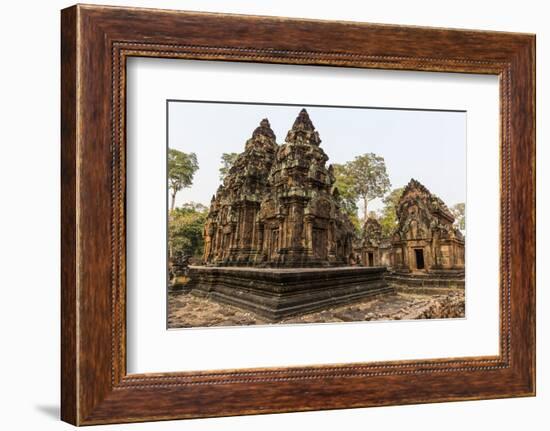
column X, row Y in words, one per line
column 264, row 129
column 303, row 122
column 303, row 131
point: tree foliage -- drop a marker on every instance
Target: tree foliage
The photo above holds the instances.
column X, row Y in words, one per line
column 181, row 170
column 364, row 178
column 348, row 199
column 388, row 216
column 459, row 211
column 227, row 161
column 185, row 229
column 371, row 180
column 344, row 184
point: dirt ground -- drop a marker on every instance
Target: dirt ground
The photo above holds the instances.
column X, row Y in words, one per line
column 186, row 310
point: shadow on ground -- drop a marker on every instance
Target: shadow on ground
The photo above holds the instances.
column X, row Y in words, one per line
column 52, row 411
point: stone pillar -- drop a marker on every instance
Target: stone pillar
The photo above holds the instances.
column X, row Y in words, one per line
column 207, row 248
column 428, row 258
column 406, row 260
column 233, row 240
column 219, row 242
column 309, row 234
column 239, row 228
column 295, row 226
column 331, row 245
column 280, row 236
column 261, row 231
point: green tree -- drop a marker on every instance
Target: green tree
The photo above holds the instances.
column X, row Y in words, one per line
column 181, row 170
column 459, row 211
column 374, row 215
column 344, row 184
column 388, row 216
column 369, row 178
column 227, row 161
column 185, row 229
column 348, row 198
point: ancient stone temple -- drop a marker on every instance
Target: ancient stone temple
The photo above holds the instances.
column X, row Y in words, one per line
column 425, row 250
column 278, row 206
column 425, row 240
column 374, row 250
column 232, row 233
column 276, row 240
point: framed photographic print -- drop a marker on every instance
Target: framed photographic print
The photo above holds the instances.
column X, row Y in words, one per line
column 264, row 214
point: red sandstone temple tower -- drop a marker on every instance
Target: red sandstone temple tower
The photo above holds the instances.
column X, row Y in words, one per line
column 276, row 241
column 301, row 215
column 278, row 206
column 232, row 233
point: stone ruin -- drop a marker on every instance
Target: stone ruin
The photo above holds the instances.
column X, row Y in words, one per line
column 276, row 239
column 426, row 238
column 278, row 243
column 373, row 249
column 278, row 206
column 425, row 249
column 231, row 231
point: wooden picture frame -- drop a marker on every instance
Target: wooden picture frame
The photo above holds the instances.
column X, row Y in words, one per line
column 95, row 43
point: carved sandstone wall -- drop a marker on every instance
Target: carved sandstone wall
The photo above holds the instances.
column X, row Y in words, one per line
column 278, row 206
column 425, row 240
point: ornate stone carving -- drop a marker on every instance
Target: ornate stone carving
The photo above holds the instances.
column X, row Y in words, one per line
column 424, row 251
column 372, row 233
column 425, row 239
column 371, row 249
column 278, row 206
column 230, row 234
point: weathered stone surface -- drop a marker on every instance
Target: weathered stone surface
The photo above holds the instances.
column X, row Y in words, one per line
column 425, row 251
column 276, row 217
column 276, row 293
column 231, row 233
column 374, row 250
column 433, row 281
column 278, row 206
column 177, row 270
column 278, row 244
column 425, row 239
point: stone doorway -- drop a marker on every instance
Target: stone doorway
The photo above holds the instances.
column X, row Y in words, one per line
column 419, row 255
column 371, row 259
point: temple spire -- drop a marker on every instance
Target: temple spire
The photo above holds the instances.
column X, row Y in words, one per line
column 264, row 129
column 303, row 131
column 263, row 138
column 303, row 122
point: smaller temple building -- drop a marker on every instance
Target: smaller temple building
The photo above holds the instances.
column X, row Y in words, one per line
column 374, row 249
column 425, row 248
column 425, row 239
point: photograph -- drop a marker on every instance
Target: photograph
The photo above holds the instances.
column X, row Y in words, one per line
column 289, row 214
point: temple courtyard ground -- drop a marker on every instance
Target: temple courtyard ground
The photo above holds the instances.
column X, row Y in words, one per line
column 187, row 310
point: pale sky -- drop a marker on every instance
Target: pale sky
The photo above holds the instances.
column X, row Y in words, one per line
column 427, row 145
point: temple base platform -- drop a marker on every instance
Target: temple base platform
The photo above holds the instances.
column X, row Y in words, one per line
column 432, row 281
column 276, row 293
